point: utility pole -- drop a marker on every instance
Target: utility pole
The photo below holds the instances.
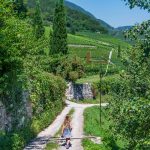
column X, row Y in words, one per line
column 106, row 62
column 100, row 94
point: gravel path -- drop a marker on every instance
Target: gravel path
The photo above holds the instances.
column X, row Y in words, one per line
column 43, row 137
column 40, row 142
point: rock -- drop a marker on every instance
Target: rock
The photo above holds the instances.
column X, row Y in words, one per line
column 96, row 140
column 79, row 91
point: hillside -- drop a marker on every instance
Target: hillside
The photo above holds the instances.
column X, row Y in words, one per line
column 123, row 28
column 99, row 46
column 77, row 18
column 78, row 8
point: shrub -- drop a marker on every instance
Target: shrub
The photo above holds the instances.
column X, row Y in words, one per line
column 66, row 66
column 17, row 142
column 46, row 95
column 73, row 76
column 108, row 84
column 109, row 142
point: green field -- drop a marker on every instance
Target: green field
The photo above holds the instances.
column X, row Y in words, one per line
column 79, row 45
column 95, row 78
column 105, row 38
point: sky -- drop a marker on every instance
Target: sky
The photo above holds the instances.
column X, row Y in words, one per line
column 114, row 12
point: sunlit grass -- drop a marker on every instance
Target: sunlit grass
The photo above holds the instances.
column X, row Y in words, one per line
column 93, row 127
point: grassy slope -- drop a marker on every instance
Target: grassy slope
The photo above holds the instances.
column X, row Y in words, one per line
column 95, row 78
column 105, row 38
column 103, row 45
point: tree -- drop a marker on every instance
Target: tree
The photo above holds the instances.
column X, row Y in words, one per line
column 119, row 51
column 50, row 40
column 38, row 22
column 130, row 103
column 144, row 4
column 59, row 37
column 20, row 8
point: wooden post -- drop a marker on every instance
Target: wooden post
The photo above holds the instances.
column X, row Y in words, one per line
column 88, row 57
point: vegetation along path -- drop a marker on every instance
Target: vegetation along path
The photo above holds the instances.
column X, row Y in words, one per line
column 77, row 132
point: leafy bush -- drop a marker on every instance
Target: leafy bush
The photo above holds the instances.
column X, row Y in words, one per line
column 46, row 95
column 109, row 142
column 18, row 142
column 67, row 67
column 108, row 84
column 130, row 102
column 73, row 76
column 23, row 70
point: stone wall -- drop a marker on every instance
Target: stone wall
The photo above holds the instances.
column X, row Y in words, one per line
column 20, row 113
column 79, row 91
column 2, row 116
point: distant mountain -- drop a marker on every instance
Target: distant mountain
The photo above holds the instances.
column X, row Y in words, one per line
column 123, row 28
column 78, row 8
column 78, row 19
column 105, row 25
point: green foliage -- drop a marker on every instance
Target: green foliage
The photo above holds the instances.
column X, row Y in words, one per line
column 51, row 146
column 50, row 40
column 130, row 103
column 70, row 68
column 89, row 145
column 119, row 51
column 73, row 76
column 107, row 84
column 22, row 70
column 17, row 142
column 46, row 90
column 102, row 44
column 19, row 8
column 38, row 22
column 141, row 33
column 59, row 36
column 82, row 22
column 16, row 44
column 140, row 3
column 76, row 20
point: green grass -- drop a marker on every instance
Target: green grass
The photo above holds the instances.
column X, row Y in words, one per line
column 89, row 79
column 95, row 78
column 105, row 38
column 51, row 146
column 89, row 145
column 71, row 112
column 92, row 127
column 97, row 52
column 93, row 101
column 83, row 40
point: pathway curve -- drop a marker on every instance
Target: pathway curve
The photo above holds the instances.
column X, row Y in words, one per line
column 43, row 137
